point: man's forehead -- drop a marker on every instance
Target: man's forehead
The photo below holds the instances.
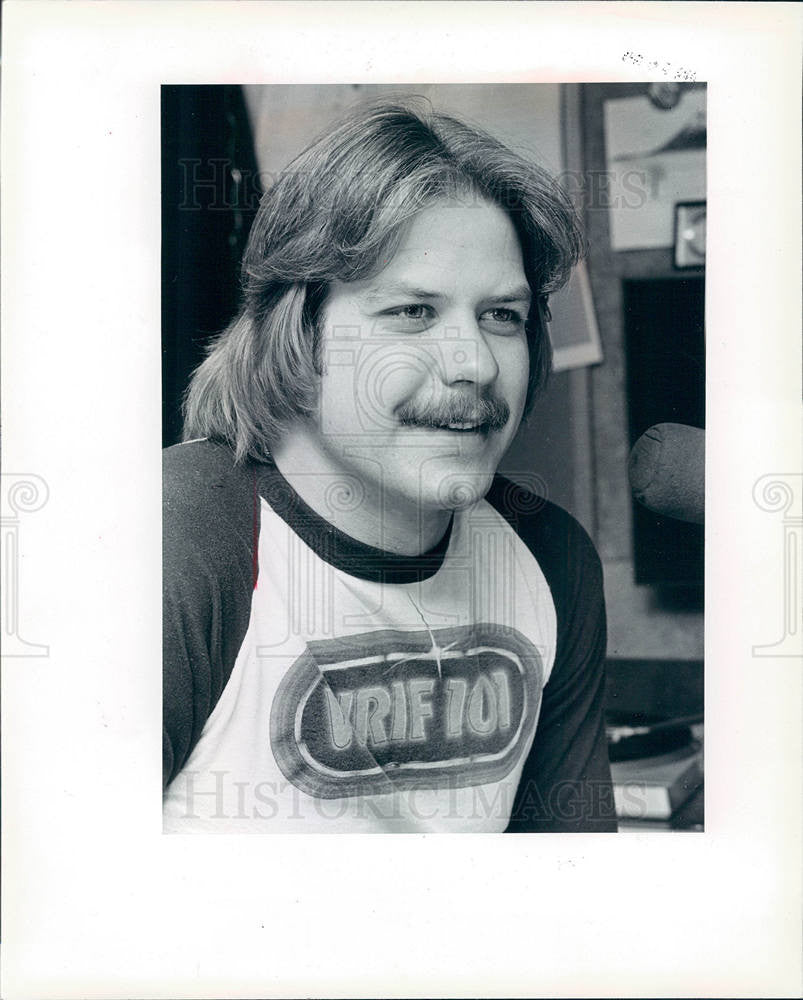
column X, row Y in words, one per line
column 449, row 245
column 454, row 225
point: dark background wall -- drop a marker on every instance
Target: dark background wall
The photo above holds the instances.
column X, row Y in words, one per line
column 209, row 200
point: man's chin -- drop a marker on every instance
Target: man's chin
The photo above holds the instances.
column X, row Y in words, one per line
column 460, row 490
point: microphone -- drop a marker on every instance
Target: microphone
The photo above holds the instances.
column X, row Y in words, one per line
column 667, row 471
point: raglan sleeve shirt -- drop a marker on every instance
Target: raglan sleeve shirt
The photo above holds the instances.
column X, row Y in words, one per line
column 210, row 529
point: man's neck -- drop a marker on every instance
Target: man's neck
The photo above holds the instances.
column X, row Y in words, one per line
column 378, row 518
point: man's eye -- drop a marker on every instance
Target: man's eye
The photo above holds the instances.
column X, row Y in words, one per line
column 415, row 312
column 503, row 318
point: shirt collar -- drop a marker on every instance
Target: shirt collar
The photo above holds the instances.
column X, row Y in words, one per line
column 339, row 549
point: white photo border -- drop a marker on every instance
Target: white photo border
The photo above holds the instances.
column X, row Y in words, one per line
column 96, row 901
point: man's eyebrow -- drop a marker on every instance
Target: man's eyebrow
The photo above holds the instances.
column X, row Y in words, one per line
column 521, row 293
column 397, row 288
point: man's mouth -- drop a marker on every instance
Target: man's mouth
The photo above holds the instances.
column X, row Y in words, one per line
column 459, row 416
column 465, row 428
column 454, row 427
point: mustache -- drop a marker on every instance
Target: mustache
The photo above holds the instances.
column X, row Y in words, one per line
column 487, row 411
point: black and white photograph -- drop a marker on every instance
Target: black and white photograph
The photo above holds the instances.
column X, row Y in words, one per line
column 384, row 600
column 401, row 409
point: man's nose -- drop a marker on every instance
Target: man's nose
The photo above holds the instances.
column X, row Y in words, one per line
column 467, row 356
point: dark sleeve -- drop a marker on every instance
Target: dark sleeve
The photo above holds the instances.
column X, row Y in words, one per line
column 209, row 531
column 566, row 782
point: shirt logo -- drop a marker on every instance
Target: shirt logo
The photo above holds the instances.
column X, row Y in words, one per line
column 389, row 710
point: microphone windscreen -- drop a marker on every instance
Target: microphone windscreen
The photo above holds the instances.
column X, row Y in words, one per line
column 667, row 471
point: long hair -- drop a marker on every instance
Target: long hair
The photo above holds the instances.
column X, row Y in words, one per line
column 334, row 214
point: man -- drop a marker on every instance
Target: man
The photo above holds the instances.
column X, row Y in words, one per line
column 365, row 629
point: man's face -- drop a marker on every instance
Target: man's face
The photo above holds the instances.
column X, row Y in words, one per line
column 426, row 363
